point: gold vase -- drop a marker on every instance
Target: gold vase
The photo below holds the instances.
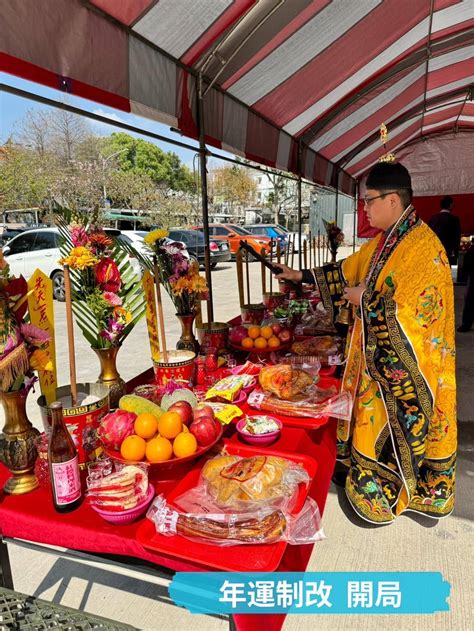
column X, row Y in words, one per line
column 17, row 444
column 187, row 341
column 109, row 375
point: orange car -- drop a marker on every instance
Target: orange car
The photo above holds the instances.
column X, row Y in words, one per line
column 233, row 234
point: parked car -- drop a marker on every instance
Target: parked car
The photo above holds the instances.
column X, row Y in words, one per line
column 293, row 237
column 233, row 234
column 272, row 230
column 195, row 244
column 39, row 248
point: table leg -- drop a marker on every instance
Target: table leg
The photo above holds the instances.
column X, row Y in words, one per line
column 6, row 579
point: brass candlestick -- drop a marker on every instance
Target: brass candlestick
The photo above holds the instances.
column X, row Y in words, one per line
column 17, row 444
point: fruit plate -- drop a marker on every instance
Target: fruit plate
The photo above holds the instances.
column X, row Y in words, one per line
column 261, row 351
column 240, row 558
column 168, row 464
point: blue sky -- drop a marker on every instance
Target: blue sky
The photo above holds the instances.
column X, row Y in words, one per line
column 13, row 108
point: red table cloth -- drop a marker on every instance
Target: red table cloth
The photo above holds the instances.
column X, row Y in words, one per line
column 32, row 517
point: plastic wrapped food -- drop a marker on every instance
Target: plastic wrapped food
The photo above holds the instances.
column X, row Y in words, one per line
column 285, row 381
column 119, row 491
column 242, row 484
column 228, row 389
column 322, row 345
column 317, row 403
column 225, row 529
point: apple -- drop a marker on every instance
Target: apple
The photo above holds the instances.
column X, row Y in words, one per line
column 276, row 328
column 205, row 430
column 285, row 335
column 237, row 334
column 203, row 411
column 184, row 409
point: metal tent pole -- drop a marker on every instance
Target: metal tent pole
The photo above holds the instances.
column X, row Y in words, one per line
column 204, row 199
column 300, row 239
column 356, row 215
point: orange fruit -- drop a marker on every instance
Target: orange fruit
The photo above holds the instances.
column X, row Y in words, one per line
column 185, row 444
column 260, row 343
column 170, row 424
column 273, row 342
column 266, row 332
column 253, row 332
column 247, row 342
column 159, row 449
column 146, row 425
column 133, row 448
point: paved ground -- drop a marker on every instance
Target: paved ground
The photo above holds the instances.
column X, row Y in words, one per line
column 410, row 544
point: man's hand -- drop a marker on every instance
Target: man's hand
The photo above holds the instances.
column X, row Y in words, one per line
column 288, row 274
column 354, row 294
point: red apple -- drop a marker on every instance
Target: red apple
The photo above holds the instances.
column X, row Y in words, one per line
column 276, row 328
column 285, row 335
column 203, row 411
column 184, row 409
column 205, row 431
column 237, row 334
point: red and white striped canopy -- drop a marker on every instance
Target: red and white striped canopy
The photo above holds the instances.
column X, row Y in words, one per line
column 276, row 74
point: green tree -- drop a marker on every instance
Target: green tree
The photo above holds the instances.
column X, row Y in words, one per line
column 232, row 186
column 26, row 177
column 144, row 158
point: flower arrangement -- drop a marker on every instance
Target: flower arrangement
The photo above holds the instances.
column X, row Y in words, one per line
column 179, row 276
column 21, row 344
column 107, row 300
column 334, row 234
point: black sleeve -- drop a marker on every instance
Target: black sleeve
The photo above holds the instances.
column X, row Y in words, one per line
column 307, row 277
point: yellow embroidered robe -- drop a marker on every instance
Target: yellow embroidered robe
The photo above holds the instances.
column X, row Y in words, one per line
column 401, row 443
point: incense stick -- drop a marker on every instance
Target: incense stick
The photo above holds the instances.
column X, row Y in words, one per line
column 271, row 261
column 240, row 276
column 247, row 275
column 161, row 319
column 70, row 335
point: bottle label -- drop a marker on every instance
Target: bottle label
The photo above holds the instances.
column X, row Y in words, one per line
column 66, row 481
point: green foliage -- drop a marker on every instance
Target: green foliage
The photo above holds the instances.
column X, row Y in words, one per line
column 143, row 158
column 89, row 308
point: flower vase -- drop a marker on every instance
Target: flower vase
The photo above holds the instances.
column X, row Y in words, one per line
column 17, row 444
column 187, row 341
column 333, row 255
column 109, row 375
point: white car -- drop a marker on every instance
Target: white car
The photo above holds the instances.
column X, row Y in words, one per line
column 39, row 249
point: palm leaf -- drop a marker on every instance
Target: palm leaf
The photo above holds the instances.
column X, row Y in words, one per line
column 131, row 293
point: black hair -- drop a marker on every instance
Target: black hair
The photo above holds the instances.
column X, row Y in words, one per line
column 447, row 202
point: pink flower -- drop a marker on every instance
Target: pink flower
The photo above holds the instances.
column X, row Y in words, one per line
column 112, row 299
column 34, row 335
column 79, row 236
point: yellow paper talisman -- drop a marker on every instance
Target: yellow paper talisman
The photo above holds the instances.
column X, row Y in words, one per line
column 151, row 319
column 40, row 308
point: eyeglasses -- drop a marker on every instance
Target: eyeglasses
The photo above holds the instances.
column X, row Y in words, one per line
column 369, row 200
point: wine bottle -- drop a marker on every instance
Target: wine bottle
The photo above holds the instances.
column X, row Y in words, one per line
column 63, row 464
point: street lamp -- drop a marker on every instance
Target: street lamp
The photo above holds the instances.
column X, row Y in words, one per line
column 104, row 162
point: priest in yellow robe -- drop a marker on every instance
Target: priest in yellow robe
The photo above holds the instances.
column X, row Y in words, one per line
column 400, row 445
